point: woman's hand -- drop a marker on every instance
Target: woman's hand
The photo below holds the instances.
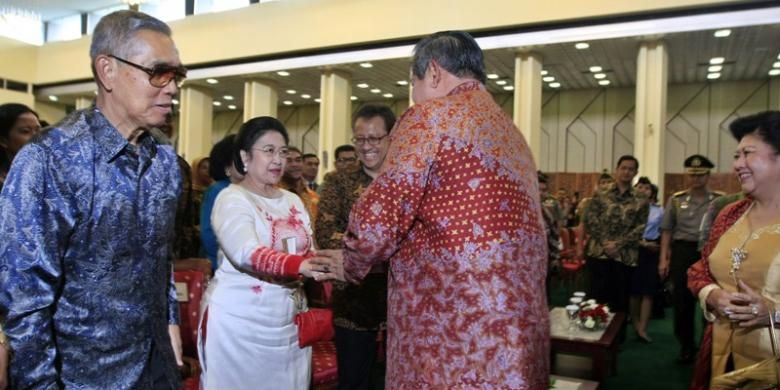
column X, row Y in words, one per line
column 329, row 265
column 747, row 308
column 325, row 265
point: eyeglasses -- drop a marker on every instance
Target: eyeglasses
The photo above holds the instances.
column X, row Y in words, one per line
column 371, row 140
column 346, row 159
column 270, row 151
column 160, row 75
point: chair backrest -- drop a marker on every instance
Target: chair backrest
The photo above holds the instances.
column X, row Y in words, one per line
column 190, row 287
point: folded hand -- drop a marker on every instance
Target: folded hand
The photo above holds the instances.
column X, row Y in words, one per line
column 331, row 264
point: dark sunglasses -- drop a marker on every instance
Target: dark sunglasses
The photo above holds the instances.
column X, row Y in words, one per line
column 160, row 75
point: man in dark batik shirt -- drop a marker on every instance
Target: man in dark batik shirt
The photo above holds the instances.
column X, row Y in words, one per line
column 358, row 309
column 614, row 221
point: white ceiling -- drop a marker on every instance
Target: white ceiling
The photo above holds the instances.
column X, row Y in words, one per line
column 749, row 52
column 53, row 9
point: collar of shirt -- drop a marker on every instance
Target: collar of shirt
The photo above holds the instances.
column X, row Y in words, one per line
column 471, row 85
column 111, row 143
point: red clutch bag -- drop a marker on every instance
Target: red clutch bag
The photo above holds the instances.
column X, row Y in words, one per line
column 314, row 325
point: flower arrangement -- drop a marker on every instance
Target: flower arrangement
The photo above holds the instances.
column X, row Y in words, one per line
column 593, row 315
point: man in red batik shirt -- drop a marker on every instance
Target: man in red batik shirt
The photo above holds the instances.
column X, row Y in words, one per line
column 456, row 211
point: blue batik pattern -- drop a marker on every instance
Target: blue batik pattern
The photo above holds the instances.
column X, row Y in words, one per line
column 86, row 222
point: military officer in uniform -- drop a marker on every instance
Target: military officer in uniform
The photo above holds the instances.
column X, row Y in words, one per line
column 679, row 246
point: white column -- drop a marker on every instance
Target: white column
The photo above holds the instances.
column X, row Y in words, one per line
column 195, row 122
column 335, row 116
column 650, row 118
column 82, row 103
column 527, row 106
column 260, row 99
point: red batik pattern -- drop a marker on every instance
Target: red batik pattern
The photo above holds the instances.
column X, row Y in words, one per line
column 274, row 261
column 456, row 211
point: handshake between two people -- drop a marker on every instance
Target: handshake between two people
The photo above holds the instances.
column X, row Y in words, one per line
column 326, row 264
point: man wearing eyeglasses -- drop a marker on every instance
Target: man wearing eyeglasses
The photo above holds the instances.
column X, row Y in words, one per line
column 346, row 158
column 85, row 229
column 359, row 311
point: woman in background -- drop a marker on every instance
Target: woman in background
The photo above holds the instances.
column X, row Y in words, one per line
column 18, row 124
column 200, row 181
column 247, row 336
column 223, row 171
column 644, row 282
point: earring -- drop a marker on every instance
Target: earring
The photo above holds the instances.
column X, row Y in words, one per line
column 246, row 169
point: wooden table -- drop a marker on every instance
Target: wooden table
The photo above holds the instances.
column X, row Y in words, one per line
column 602, row 351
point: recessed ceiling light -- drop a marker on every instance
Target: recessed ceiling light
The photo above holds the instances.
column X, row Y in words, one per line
column 713, row 76
column 722, row 33
column 53, row 98
column 544, row 73
column 509, row 88
column 366, row 65
column 716, row 60
column 353, row 98
column 388, row 95
column 317, row 100
column 714, row 68
column 306, row 96
column 175, row 102
column 774, row 72
column 555, row 85
column 212, row 81
column 604, row 82
column 283, row 73
column 776, row 64
column 231, row 106
column 581, row 45
column 375, row 90
column 501, row 82
column 217, row 103
column 228, row 97
column 402, row 82
column 595, row 69
column 492, row 76
column 291, row 91
column 287, row 102
column 548, row 79
column 362, row 85
column 600, row 76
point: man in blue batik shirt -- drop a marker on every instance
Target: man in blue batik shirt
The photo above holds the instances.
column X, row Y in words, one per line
column 86, row 219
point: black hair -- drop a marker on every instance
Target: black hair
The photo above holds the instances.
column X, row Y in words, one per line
column 9, row 113
column 542, row 177
column 369, row 111
column 605, row 175
column 766, row 125
column 628, row 157
column 251, row 131
column 342, row 149
column 221, row 157
column 455, row 51
column 310, row 155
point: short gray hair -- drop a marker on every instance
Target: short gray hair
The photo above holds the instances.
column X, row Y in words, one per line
column 114, row 33
column 455, row 51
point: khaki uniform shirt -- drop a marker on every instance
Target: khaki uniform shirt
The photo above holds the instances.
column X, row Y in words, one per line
column 684, row 213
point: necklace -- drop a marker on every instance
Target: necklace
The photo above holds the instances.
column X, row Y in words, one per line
column 738, row 255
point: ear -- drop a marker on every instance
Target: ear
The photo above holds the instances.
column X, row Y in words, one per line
column 245, row 158
column 434, row 70
column 106, row 71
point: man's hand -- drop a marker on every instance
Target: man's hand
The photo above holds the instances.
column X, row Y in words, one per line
column 175, row 334
column 3, row 367
column 334, row 259
column 663, row 268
